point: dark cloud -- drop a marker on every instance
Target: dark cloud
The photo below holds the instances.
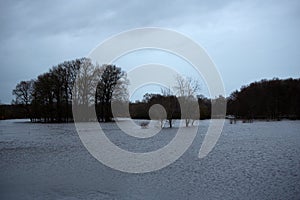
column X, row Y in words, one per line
column 251, row 39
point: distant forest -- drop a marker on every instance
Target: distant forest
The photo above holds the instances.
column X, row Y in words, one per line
column 48, row 98
column 266, row 99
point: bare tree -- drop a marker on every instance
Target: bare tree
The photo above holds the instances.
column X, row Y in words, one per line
column 187, row 86
column 112, row 86
column 120, row 92
column 71, row 69
column 170, row 103
column 86, row 82
column 44, row 97
column 23, row 92
column 186, row 90
column 84, row 89
column 24, row 95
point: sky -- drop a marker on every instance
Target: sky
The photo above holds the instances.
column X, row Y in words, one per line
column 247, row 40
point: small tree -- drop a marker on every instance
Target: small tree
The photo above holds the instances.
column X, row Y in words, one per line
column 186, row 90
column 169, row 102
column 24, row 94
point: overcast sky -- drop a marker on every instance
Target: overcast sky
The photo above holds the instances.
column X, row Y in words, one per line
column 247, row 40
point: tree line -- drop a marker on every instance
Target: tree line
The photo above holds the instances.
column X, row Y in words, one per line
column 49, row 97
column 266, row 99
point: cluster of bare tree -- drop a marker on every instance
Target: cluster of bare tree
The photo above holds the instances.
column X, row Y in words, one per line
column 175, row 108
column 49, row 97
column 180, row 104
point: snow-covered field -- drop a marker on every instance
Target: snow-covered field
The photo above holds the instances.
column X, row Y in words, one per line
column 260, row 160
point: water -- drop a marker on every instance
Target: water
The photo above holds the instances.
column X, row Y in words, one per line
column 260, row 160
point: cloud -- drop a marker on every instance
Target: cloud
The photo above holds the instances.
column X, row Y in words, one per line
column 259, row 38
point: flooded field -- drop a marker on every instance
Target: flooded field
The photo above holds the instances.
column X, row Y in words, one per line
column 259, row 160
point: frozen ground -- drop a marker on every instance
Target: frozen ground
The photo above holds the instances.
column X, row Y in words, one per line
column 250, row 161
